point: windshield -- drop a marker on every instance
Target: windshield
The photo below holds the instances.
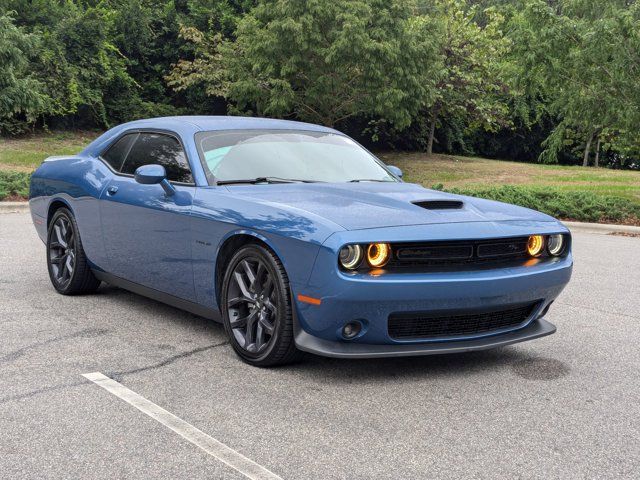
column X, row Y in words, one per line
column 243, row 155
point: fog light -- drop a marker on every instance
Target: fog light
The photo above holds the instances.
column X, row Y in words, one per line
column 351, row 330
column 378, row 254
column 545, row 310
column 535, row 245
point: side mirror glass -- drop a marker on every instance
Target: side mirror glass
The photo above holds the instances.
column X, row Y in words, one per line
column 150, row 174
column 395, row 170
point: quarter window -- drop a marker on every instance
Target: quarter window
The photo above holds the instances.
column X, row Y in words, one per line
column 159, row 149
column 118, row 151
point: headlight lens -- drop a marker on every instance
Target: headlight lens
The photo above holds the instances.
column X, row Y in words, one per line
column 378, row 254
column 535, row 245
column 555, row 244
column 350, row 256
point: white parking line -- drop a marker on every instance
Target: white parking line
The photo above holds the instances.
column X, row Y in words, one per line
column 213, row 447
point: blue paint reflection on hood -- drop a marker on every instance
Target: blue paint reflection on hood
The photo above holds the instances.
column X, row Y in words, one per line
column 357, row 206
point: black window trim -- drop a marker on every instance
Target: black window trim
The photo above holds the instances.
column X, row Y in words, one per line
column 138, row 131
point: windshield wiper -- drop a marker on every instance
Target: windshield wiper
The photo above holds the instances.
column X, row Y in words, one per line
column 369, row 180
column 263, row 180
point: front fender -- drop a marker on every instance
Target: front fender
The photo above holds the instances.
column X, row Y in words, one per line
column 218, row 215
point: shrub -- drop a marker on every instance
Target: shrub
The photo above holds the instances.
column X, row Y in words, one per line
column 568, row 205
column 14, row 185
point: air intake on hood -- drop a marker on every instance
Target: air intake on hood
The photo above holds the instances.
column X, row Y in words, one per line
column 439, row 204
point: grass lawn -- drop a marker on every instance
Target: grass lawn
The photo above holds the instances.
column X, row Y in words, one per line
column 25, row 154
column 578, row 193
column 469, row 173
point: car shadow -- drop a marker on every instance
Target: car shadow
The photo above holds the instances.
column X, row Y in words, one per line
column 160, row 310
column 352, row 371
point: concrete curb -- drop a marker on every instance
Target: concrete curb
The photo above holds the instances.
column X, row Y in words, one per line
column 603, row 228
column 14, row 207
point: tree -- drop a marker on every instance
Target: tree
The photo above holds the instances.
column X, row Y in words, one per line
column 581, row 58
column 470, row 82
column 319, row 61
column 21, row 97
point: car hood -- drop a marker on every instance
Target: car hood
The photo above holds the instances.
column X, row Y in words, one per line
column 357, row 206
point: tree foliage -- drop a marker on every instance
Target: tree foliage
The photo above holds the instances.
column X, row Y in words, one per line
column 471, row 90
column 580, row 57
column 522, row 79
column 21, row 95
column 319, row 61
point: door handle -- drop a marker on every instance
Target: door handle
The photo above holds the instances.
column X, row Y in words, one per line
column 112, row 190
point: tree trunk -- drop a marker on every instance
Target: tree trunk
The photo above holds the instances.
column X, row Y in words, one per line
column 597, row 160
column 432, row 128
column 587, row 150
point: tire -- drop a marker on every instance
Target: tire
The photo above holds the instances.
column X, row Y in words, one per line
column 256, row 308
column 69, row 269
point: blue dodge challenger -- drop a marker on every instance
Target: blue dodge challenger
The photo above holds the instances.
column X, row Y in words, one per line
column 296, row 238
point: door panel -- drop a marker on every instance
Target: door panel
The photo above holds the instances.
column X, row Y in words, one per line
column 147, row 235
column 146, row 232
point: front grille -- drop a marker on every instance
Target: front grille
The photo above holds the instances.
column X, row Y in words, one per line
column 432, row 325
column 514, row 247
column 435, row 252
column 483, row 253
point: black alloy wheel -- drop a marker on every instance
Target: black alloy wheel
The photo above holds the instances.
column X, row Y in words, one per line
column 67, row 263
column 256, row 307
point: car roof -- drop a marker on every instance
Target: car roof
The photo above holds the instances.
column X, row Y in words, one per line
column 207, row 123
column 188, row 125
column 211, row 122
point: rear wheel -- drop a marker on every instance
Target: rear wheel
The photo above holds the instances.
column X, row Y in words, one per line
column 256, row 308
column 68, row 267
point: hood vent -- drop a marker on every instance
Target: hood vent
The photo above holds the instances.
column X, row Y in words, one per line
column 439, row 204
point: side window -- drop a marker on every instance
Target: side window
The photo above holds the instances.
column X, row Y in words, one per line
column 162, row 150
column 117, row 152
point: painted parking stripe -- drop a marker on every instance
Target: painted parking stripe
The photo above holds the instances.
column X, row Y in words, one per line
column 213, row 447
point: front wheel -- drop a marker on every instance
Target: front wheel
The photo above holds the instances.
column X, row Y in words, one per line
column 256, row 308
column 68, row 267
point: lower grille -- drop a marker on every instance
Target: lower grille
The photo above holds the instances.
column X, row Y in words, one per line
column 425, row 325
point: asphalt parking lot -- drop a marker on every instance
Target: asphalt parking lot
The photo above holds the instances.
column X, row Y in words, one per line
column 565, row 406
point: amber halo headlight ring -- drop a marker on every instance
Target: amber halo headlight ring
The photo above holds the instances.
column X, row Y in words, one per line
column 556, row 244
column 350, row 256
column 553, row 245
column 378, row 254
column 535, row 245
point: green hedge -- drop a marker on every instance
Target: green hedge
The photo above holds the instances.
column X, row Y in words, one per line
column 568, row 205
column 14, row 185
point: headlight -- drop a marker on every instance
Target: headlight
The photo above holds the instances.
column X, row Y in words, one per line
column 350, row 256
column 555, row 244
column 535, row 245
column 378, row 254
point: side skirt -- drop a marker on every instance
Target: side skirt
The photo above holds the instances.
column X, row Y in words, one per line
column 159, row 296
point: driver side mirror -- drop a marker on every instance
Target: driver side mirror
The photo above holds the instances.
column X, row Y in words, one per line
column 395, row 170
column 150, row 174
column 154, row 174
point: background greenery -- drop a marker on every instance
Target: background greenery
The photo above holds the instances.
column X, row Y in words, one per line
column 548, row 82
column 525, row 80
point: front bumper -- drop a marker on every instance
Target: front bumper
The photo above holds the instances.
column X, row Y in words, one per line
column 370, row 298
column 304, row 341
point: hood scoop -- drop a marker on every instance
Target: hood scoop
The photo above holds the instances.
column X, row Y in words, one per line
column 439, row 204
